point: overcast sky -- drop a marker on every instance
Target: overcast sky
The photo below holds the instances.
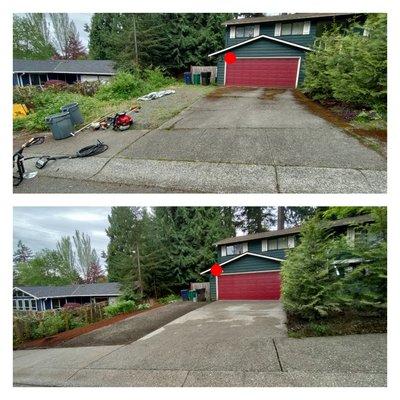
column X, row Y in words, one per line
column 42, row 227
column 80, row 19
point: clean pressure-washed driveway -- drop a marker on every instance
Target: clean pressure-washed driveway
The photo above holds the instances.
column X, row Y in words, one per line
column 221, row 344
column 248, row 140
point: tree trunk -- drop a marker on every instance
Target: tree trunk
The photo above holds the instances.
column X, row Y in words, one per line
column 281, row 218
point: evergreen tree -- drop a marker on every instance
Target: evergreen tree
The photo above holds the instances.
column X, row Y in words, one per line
column 255, row 219
column 170, row 41
column 122, row 245
column 22, row 254
column 308, row 287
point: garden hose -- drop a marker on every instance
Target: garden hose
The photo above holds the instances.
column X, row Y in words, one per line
column 87, row 151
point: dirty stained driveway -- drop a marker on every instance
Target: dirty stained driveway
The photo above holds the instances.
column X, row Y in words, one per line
column 235, row 140
column 225, row 343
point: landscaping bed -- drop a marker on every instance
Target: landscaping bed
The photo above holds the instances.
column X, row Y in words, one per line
column 54, row 340
column 133, row 327
column 342, row 324
column 344, row 117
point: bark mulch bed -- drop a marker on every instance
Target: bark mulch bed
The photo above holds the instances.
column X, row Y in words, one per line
column 54, row 340
column 348, row 323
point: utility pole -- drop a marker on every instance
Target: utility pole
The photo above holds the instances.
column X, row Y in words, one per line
column 135, row 40
column 139, row 270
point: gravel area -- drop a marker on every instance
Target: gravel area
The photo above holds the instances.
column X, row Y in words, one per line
column 132, row 329
column 154, row 112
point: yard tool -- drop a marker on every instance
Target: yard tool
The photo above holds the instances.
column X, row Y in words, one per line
column 18, row 161
column 87, row 151
column 120, row 121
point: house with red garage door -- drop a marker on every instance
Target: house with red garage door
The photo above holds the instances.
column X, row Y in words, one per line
column 251, row 264
column 270, row 50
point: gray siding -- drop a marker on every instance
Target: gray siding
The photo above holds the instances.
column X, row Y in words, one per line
column 264, row 48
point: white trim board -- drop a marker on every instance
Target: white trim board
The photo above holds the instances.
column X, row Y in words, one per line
column 261, row 37
column 250, row 272
column 242, row 255
column 274, row 57
column 24, row 291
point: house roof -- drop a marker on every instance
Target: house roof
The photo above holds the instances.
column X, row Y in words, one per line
column 92, row 289
column 266, row 37
column 360, row 219
column 90, row 67
column 279, row 18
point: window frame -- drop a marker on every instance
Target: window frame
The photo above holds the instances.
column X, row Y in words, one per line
column 234, row 246
column 302, row 27
column 236, row 32
column 246, row 30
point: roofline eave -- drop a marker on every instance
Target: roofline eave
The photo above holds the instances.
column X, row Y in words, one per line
column 261, row 37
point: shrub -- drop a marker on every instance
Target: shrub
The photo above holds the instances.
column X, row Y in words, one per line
column 123, row 86
column 126, row 86
column 119, row 307
column 144, row 306
column 350, row 67
column 71, row 306
column 318, row 281
column 55, row 84
column 48, row 102
column 307, row 285
column 169, row 299
column 49, row 325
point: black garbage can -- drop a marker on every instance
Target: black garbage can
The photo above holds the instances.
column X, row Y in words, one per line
column 60, row 125
column 201, row 294
column 74, row 112
column 205, row 78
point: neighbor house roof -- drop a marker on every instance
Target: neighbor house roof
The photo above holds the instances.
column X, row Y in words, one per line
column 92, row 289
column 284, row 17
column 90, row 67
column 360, row 219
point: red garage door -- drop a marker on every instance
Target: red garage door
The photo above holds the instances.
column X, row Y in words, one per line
column 257, row 286
column 265, row 72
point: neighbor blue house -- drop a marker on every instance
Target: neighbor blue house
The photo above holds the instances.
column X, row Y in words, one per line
column 251, row 264
column 38, row 72
column 41, row 298
column 270, row 50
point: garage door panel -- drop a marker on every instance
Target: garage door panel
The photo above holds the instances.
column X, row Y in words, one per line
column 265, row 72
column 254, row 286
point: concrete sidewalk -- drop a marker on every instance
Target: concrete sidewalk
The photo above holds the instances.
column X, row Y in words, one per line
column 221, row 344
column 238, row 142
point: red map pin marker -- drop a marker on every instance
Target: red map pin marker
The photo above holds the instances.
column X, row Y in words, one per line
column 216, row 270
column 230, row 57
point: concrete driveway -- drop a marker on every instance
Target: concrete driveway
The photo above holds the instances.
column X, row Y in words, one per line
column 245, row 140
column 221, row 344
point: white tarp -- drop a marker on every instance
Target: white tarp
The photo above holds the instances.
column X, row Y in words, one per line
column 156, row 95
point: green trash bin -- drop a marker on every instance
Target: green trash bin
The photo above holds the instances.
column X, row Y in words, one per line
column 74, row 112
column 60, row 125
column 192, row 295
column 196, row 79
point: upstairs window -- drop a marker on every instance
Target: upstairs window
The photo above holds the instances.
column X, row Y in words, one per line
column 234, row 249
column 283, row 242
column 248, row 31
column 292, row 28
